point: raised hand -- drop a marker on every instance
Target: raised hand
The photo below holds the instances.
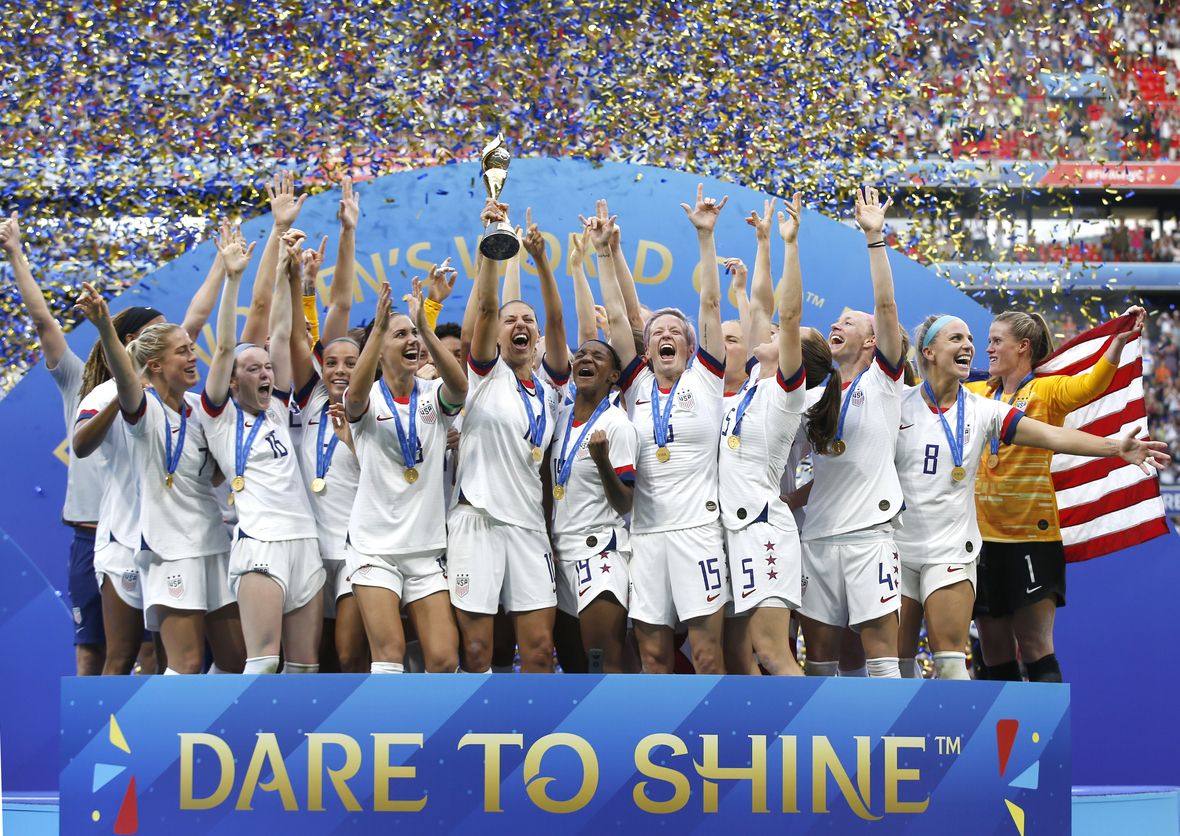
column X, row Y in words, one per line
column 1137, row 328
column 350, row 206
column 870, row 212
column 602, row 321
column 340, row 424
column 91, row 305
column 384, row 303
column 704, row 215
column 10, row 235
column 427, row 372
column 578, row 248
column 534, row 242
column 235, row 254
column 737, row 268
column 312, row 261
column 788, row 225
column 762, row 223
column 284, row 206
column 1144, row 454
column 291, row 246
column 441, row 281
column 599, row 447
column 493, row 212
column 414, row 304
column 604, row 232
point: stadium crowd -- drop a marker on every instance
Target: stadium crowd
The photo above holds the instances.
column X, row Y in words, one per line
column 1161, row 386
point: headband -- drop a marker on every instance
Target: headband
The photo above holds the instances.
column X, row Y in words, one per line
column 134, row 319
column 343, row 340
column 872, row 322
column 240, row 347
column 614, row 354
column 935, row 327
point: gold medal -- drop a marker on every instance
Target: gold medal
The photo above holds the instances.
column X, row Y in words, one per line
column 168, row 481
column 558, row 492
column 959, row 473
column 231, row 499
column 411, row 475
column 838, row 447
column 238, row 483
column 537, row 454
column 662, row 454
column 318, row 484
column 734, row 442
column 993, row 460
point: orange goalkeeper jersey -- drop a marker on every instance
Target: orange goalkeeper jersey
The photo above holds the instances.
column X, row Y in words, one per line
column 1015, row 499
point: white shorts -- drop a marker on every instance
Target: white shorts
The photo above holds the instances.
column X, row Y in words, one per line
column 410, row 577
column 588, row 566
column 490, row 563
column 678, row 574
column 918, row 580
column 190, row 583
column 847, row 584
column 336, row 585
column 765, row 567
column 117, row 562
column 295, row 565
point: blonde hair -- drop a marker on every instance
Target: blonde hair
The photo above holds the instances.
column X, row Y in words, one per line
column 151, row 344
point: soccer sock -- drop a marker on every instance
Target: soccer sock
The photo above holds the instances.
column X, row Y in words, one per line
column 1004, row 672
column 909, row 668
column 214, row 669
column 262, row 664
column 503, row 668
column 170, row 672
column 950, row 664
column 298, row 667
column 1045, row 669
column 386, row 667
column 861, row 672
column 884, row 667
column 811, row 668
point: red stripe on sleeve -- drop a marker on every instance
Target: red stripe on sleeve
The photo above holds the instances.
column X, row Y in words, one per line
column 717, row 367
column 212, row 408
column 1008, row 431
column 481, row 368
column 796, row 380
column 630, row 373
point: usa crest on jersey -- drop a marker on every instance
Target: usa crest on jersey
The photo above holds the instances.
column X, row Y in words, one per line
column 130, row 579
column 175, row 586
column 462, row 584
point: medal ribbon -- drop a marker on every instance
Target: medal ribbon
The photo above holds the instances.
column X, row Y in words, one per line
column 323, row 458
column 743, row 406
column 848, row 400
column 565, row 466
column 536, row 425
column 409, row 443
column 660, row 418
column 999, row 393
column 956, row 444
column 242, row 452
column 171, row 461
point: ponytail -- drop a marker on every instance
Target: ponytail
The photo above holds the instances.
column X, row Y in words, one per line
column 824, row 416
column 97, row 371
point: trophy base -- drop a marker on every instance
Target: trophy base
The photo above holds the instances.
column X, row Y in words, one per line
column 499, row 242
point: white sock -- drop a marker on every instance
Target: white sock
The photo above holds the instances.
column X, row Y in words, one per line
column 950, row 664
column 862, row 672
column 811, row 668
column 299, row 667
column 386, row 667
column 262, row 664
column 170, row 672
column 477, row 673
column 884, row 667
column 214, row 669
column 503, row 668
column 909, row 668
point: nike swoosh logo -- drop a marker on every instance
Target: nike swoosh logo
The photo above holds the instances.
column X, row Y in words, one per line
column 639, row 403
column 887, row 600
column 748, row 594
column 582, row 592
column 713, row 597
column 954, row 568
column 905, row 426
column 386, row 418
column 1034, row 589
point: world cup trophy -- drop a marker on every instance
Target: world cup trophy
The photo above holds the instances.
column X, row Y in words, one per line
column 499, row 242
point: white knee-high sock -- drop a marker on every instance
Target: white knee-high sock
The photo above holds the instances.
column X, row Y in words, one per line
column 170, row 672
column 386, row 667
column 811, row 668
column 262, row 664
column 298, row 667
column 884, row 667
column 950, row 664
column 861, row 672
column 909, row 668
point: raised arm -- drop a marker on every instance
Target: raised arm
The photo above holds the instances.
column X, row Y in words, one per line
column 284, row 210
column 622, row 339
column 583, row 295
column 870, row 214
column 344, row 276
column 512, row 274
column 127, row 382
column 790, row 311
column 557, row 352
column 736, row 268
column 236, row 256
column 703, row 216
column 299, row 274
column 623, row 275
column 364, row 374
column 1144, row 454
column 201, row 306
column 762, row 285
column 483, row 337
column 454, row 388
column 53, row 341
column 290, row 254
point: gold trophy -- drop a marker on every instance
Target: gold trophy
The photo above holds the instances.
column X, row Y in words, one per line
column 499, row 241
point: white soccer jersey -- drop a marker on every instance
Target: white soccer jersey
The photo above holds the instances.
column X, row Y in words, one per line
column 118, row 511
column 333, row 505
column 584, row 509
column 184, row 520
column 749, row 476
column 681, row 492
column 496, row 468
column 391, row 515
column 859, row 489
column 84, row 479
column 939, row 524
column 273, row 504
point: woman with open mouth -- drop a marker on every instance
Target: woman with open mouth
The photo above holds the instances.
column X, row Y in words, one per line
column 275, row 567
column 498, row 548
column 946, row 431
column 674, row 399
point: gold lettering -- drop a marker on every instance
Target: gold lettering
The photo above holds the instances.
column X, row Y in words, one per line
column 696, row 279
column 491, row 763
column 315, row 769
column 266, row 749
column 641, row 260
column 552, row 251
column 383, row 772
column 412, row 259
column 790, row 774
column 823, row 759
column 465, row 255
column 678, row 780
column 894, row 775
column 755, row 773
column 224, row 784
column 532, row 768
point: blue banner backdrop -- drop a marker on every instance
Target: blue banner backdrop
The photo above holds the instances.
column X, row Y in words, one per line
column 408, row 220
column 562, row 754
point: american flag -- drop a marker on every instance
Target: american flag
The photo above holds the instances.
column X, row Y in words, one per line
column 1105, row 504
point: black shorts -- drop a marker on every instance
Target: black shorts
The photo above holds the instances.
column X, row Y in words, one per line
column 1015, row 575
column 85, row 598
